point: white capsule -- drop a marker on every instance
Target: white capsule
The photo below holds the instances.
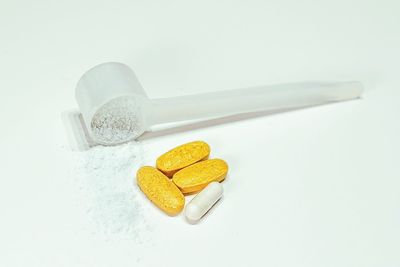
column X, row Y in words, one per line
column 204, row 200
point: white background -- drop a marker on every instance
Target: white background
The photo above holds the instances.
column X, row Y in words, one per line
column 315, row 187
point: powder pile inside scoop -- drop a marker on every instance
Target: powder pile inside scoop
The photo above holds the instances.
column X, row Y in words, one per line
column 106, row 177
column 117, row 121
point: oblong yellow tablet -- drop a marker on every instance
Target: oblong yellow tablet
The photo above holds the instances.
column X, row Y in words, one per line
column 182, row 156
column 160, row 190
column 197, row 176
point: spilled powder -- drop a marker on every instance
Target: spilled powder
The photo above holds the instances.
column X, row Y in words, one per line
column 108, row 192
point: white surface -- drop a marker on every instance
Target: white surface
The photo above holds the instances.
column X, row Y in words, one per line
column 316, row 187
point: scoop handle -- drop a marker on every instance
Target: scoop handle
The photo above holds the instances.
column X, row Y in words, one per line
column 253, row 99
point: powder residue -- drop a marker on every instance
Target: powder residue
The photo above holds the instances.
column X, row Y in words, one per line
column 108, row 190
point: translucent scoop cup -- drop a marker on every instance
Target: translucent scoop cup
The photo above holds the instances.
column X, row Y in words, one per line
column 114, row 107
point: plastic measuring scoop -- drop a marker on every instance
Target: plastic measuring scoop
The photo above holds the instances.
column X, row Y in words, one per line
column 114, row 107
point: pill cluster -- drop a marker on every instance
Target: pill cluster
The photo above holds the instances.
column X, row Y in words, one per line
column 186, row 169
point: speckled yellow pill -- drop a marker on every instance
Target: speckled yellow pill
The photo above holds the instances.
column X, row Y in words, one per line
column 197, row 176
column 182, row 156
column 160, row 190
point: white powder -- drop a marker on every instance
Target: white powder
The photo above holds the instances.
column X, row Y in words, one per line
column 117, row 121
column 107, row 180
